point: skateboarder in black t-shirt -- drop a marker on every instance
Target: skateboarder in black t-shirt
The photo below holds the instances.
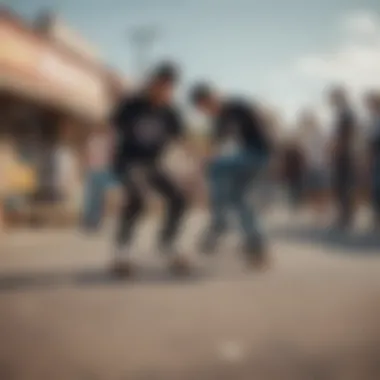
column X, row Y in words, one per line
column 145, row 124
column 242, row 150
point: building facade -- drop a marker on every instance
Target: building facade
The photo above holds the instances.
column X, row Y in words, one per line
column 52, row 92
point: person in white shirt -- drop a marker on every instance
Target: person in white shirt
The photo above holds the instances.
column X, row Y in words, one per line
column 314, row 144
column 98, row 179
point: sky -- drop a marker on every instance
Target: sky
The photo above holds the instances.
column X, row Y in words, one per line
column 284, row 52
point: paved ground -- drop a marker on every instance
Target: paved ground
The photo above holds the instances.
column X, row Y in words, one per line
column 314, row 316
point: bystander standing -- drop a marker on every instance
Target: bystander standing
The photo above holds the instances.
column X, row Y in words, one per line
column 314, row 145
column 373, row 104
column 343, row 157
column 98, row 176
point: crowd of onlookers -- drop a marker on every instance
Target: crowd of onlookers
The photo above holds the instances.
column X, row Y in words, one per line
column 338, row 166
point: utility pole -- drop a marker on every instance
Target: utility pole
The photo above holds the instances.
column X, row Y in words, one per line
column 142, row 39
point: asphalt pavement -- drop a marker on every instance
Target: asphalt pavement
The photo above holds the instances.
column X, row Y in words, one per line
column 314, row 315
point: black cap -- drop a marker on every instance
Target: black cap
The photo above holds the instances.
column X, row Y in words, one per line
column 200, row 92
column 166, row 72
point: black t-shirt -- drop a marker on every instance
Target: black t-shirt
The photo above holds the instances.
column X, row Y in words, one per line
column 241, row 122
column 143, row 129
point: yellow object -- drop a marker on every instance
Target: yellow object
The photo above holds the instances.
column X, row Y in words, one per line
column 17, row 179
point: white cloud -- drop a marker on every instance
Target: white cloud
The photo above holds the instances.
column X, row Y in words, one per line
column 355, row 66
column 356, row 62
column 361, row 22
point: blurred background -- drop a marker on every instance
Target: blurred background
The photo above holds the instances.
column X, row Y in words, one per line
column 312, row 70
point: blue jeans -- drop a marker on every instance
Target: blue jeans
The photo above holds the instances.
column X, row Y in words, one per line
column 230, row 179
column 97, row 183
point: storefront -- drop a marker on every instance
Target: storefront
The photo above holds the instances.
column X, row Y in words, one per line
column 48, row 93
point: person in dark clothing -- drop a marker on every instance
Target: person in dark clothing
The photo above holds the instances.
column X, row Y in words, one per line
column 294, row 170
column 145, row 124
column 373, row 105
column 241, row 151
column 343, row 157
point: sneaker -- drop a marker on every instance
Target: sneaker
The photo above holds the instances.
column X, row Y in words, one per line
column 121, row 265
column 256, row 256
column 179, row 264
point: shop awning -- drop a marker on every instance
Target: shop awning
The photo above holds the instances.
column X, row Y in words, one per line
column 35, row 68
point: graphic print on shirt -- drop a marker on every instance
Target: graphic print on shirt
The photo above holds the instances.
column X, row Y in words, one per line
column 149, row 131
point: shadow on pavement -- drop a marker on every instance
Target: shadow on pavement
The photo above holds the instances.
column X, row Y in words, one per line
column 92, row 277
column 350, row 242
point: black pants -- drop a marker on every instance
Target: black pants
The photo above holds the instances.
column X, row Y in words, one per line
column 135, row 201
column 345, row 191
column 295, row 189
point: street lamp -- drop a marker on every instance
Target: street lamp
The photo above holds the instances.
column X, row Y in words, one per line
column 142, row 39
